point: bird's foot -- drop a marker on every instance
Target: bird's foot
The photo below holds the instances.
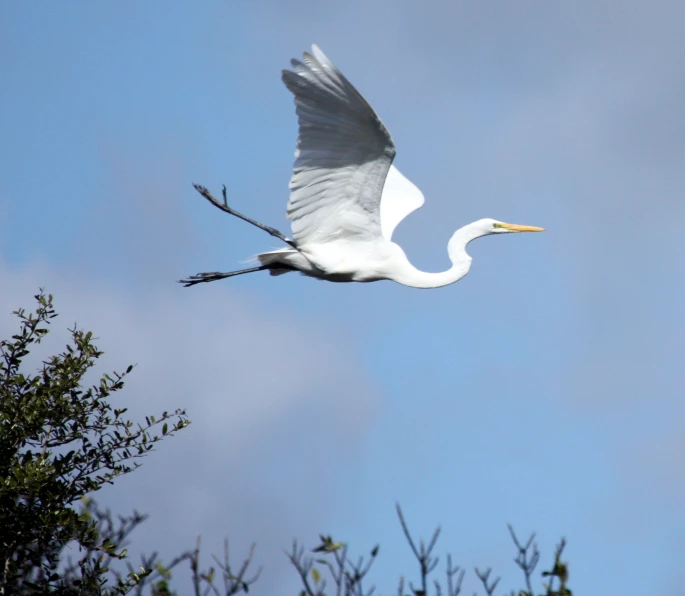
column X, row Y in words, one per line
column 201, row 278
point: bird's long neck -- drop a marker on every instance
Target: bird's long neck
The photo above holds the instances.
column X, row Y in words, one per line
column 461, row 263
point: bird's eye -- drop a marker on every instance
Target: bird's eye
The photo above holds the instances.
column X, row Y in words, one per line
column 497, row 225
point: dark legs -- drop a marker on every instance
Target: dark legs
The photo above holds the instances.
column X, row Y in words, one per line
column 214, row 276
column 224, row 207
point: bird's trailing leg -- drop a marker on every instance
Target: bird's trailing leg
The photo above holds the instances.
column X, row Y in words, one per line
column 224, row 207
column 201, row 278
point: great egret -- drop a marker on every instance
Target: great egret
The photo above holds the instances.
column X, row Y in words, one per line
column 346, row 197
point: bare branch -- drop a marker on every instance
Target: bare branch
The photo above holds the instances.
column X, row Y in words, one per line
column 527, row 558
column 303, row 565
column 454, row 587
column 423, row 554
column 484, row 577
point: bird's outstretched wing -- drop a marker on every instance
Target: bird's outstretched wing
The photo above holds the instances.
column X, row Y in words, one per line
column 343, row 156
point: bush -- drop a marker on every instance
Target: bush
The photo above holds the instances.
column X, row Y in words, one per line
column 59, row 443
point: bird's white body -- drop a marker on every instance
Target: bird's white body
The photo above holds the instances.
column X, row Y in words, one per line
column 373, row 260
column 346, row 197
column 357, row 257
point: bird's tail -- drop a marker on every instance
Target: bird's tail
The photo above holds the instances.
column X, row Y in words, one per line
column 276, row 258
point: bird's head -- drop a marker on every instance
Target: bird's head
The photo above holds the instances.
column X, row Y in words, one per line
column 483, row 227
column 492, row 226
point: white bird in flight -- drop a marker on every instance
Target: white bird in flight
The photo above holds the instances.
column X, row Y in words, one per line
column 346, row 197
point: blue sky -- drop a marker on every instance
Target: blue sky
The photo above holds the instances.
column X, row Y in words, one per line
column 544, row 390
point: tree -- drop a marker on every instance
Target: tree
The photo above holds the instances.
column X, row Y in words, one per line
column 60, row 442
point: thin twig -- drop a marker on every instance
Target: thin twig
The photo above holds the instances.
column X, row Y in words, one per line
column 423, row 554
column 522, row 559
column 484, row 577
column 454, row 588
column 303, row 566
column 195, row 565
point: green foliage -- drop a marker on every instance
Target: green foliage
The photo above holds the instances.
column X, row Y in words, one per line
column 59, row 442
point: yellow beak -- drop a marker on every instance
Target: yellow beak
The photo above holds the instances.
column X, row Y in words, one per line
column 518, row 228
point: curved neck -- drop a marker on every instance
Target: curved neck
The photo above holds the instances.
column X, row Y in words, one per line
column 461, row 263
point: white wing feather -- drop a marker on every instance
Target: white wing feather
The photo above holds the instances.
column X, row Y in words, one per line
column 400, row 197
column 343, row 156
